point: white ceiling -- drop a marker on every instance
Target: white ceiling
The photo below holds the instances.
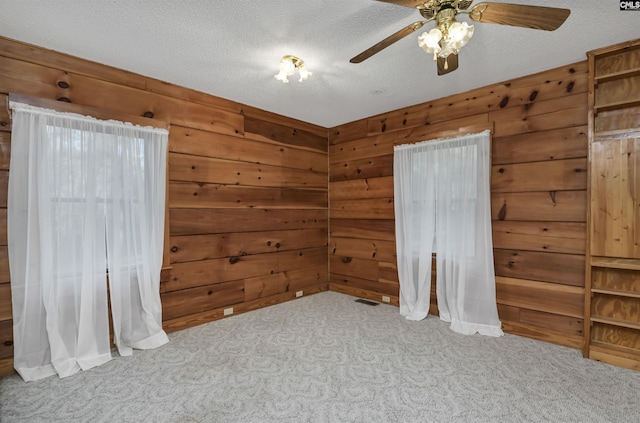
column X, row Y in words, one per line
column 231, row 48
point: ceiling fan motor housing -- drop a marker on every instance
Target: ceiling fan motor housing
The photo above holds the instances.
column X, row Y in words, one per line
column 445, row 17
column 444, row 12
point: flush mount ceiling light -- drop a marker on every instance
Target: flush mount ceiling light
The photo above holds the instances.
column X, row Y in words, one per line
column 288, row 66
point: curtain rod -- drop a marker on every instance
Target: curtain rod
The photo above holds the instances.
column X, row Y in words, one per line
column 441, row 140
column 62, row 106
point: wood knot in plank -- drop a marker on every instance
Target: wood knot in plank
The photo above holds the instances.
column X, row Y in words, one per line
column 570, row 86
column 346, row 260
column 65, row 99
column 504, row 102
column 174, row 249
column 234, row 259
column 503, row 212
column 148, row 114
column 63, row 84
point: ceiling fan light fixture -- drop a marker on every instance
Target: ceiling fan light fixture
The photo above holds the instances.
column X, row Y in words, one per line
column 430, row 42
column 288, row 66
column 460, row 33
column 458, row 36
column 446, row 39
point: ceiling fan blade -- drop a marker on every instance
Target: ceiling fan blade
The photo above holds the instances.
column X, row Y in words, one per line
column 387, row 41
column 407, row 3
column 448, row 64
column 536, row 17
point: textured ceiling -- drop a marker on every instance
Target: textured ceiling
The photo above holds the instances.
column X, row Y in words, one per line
column 231, row 48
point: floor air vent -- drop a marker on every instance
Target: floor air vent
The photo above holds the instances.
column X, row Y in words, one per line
column 367, row 302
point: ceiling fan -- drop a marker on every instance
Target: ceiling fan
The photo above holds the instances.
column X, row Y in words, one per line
column 449, row 36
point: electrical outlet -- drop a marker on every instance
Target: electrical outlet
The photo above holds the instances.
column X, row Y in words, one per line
column 299, row 294
column 228, row 311
column 386, row 299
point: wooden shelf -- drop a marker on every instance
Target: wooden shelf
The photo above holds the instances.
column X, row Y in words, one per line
column 627, row 73
column 618, row 134
column 615, row 355
column 616, row 105
column 616, row 263
column 616, row 348
column 616, row 322
column 628, row 294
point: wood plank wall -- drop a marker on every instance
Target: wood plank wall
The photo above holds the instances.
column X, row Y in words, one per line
column 247, row 189
column 538, row 195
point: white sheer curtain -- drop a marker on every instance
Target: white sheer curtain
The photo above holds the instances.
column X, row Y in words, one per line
column 85, row 196
column 442, row 205
column 414, row 191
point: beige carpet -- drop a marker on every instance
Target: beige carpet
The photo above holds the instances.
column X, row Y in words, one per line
column 326, row 358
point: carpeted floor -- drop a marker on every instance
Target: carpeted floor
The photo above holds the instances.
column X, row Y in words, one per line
column 326, row 358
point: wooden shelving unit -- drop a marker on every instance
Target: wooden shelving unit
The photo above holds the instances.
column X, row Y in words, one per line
column 612, row 300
